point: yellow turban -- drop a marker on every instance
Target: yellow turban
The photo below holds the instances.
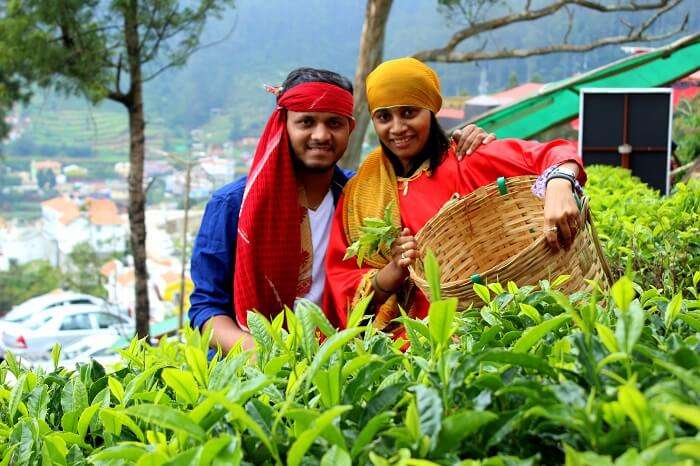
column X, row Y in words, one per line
column 403, row 82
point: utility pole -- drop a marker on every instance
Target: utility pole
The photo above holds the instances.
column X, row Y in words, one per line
column 188, row 162
column 186, row 206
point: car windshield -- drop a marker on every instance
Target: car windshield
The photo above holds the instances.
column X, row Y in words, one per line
column 19, row 312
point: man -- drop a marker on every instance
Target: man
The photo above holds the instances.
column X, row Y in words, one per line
column 263, row 239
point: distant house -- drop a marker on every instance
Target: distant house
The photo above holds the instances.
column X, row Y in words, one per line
column 483, row 103
column 247, row 142
column 111, row 270
column 63, row 227
column 122, row 169
column 20, row 244
column 218, row 170
column 75, row 171
column 65, row 223
column 450, row 117
column 36, row 166
column 107, row 229
column 163, row 283
column 168, row 286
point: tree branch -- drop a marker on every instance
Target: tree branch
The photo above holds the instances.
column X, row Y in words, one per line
column 173, row 64
column 530, row 15
column 448, row 55
column 456, row 57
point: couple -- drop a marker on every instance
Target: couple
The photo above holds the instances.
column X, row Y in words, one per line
column 272, row 237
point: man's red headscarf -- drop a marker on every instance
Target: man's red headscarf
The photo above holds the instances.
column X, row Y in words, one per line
column 268, row 249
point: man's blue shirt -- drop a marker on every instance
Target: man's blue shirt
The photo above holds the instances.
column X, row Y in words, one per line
column 214, row 252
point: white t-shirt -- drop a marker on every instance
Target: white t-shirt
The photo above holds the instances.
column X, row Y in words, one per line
column 320, row 221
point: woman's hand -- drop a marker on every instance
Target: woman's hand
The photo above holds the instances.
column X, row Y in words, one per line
column 469, row 138
column 562, row 219
column 404, row 253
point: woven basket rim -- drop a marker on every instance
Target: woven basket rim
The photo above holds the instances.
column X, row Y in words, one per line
column 457, row 203
column 535, row 244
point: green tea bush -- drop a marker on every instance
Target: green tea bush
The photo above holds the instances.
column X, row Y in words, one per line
column 531, row 377
column 653, row 237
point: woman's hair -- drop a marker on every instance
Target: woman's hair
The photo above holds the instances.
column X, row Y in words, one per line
column 434, row 150
column 308, row 75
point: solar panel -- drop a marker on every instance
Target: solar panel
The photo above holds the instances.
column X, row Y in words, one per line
column 628, row 128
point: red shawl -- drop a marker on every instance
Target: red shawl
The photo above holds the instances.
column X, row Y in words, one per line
column 268, row 248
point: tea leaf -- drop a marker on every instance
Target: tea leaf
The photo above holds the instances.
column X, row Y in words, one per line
column 429, row 408
column 369, row 430
column 330, row 346
column 16, row 396
column 358, row 311
column 85, row 419
column 534, row 334
column 607, row 337
column 182, row 383
column 684, row 412
column 336, row 457
column 623, row 293
column 55, row 354
column 483, row 292
column 115, row 387
column 673, row 309
column 441, row 320
column 168, row 418
column 432, row 276
column 635, row 406
column 74, row 396
column 530, row 312
column 461, row 425
column 303, row 442
column 197, row 361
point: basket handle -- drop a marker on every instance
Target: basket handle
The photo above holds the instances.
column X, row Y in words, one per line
column 588, row 218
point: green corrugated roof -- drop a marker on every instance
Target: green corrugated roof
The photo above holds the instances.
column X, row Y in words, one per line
column 560, row 101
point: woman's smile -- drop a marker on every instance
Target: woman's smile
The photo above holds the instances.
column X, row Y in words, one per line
column 403, row 142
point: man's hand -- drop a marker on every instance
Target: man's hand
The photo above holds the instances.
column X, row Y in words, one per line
column 562, row 219
column 226, row 333
column 469, row 138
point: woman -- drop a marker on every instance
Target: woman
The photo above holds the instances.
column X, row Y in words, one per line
column 415, row 171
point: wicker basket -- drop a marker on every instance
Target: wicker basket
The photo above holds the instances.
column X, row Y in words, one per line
column 495, row 234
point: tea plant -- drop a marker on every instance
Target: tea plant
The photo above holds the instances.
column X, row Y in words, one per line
column 531, row 377
column 653, row 237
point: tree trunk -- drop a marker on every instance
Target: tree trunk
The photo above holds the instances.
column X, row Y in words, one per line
column 137, row 198
column 371, row 53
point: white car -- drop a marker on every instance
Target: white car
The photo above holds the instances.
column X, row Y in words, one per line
column 101, row 348
column 39, row 304
column 64, row 325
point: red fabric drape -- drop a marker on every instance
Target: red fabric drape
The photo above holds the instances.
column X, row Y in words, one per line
column 268, row 248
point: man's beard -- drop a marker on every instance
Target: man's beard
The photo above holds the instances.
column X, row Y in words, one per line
column 301, row 166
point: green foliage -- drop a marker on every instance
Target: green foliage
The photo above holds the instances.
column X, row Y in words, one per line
column 686, row 130
column 588, row 380
column 377, row 236
column 22, row 282
column 657, row 238
column 83, row 271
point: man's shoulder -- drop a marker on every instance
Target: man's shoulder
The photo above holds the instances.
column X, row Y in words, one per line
column 231, row 192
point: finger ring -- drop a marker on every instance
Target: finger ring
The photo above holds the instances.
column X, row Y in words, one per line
column 403, row 256
column 554, row 228
column 403, row 247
